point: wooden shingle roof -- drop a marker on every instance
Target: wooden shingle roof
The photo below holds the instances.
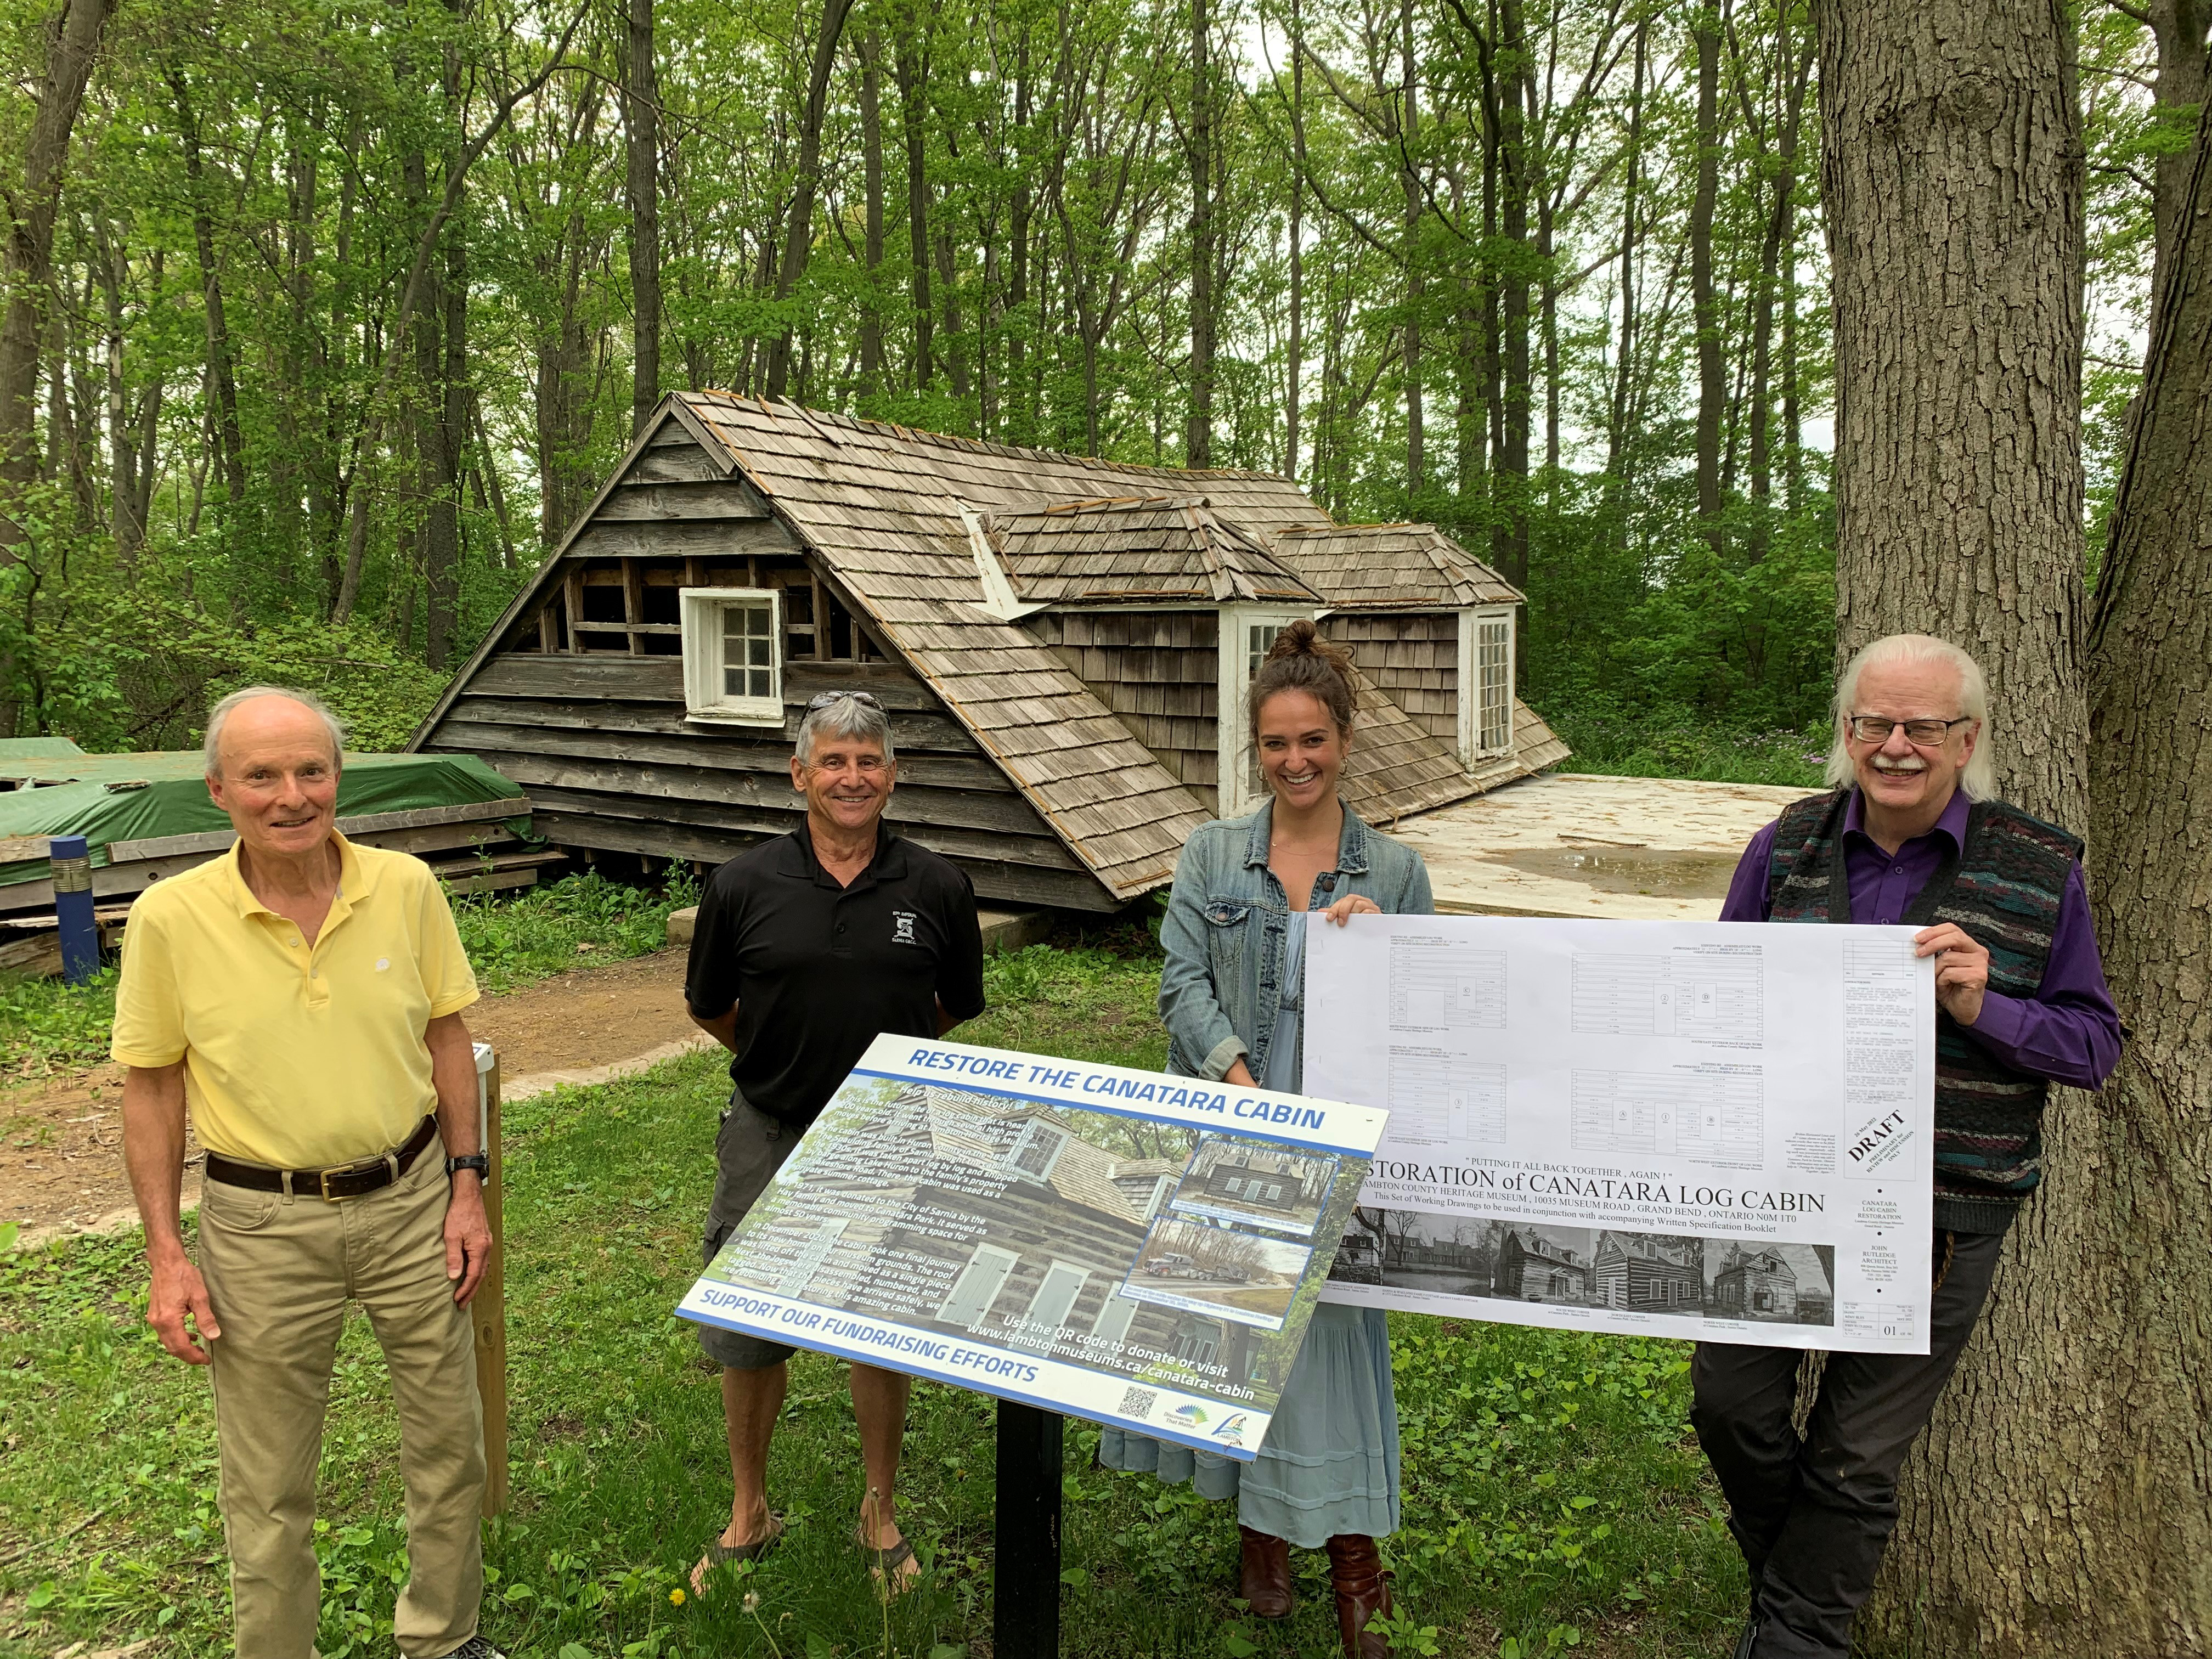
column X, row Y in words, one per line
column 1391, row 567
column 1166, row 548
column 883, row 505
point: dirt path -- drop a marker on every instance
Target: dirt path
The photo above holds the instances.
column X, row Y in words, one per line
column 61, row 1140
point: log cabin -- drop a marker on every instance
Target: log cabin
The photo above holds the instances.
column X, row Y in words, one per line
column 1063, row 645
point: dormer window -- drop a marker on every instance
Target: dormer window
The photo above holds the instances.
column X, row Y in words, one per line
column 732, row 669
column 1486, row 684
column 1035, row 1151
column 1248, row 632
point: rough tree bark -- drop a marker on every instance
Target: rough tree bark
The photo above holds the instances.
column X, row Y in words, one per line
column 2140, row 1500
column 642, row 128
column 872, row 152
column 1197, row 450
column 1952, row 163
column 910, row 65
column 1705, row 302
column 2031, row 1522
column 799, row 233
column 32, row 197
column 1409, row 181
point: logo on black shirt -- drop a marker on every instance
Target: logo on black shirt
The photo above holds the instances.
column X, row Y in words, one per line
column 903, row 927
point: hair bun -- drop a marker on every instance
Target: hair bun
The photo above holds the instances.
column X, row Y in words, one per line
column 1302, row 658
column 1300, row 639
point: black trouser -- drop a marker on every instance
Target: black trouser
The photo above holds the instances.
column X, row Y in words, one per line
column 1814, row 1516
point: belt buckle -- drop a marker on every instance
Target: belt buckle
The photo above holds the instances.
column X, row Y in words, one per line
column 323, row 1178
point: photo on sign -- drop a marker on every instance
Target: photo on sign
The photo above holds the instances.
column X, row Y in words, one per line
column 1247, row 1277
column 1778, row 1283
column 996, row 1218
column 1237, row 1179
column 1518, row 1261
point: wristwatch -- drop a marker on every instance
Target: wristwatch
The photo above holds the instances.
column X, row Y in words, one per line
column 476, row 1160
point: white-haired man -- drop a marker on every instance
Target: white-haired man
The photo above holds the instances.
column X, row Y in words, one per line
column 300, row 997
column 808, row 948
column 1911, row 835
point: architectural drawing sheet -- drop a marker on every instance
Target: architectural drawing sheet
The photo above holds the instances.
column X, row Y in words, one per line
column 1690, row 1129
column 1140, row 1250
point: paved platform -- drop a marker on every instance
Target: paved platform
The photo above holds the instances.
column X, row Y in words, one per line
column 1571, row 844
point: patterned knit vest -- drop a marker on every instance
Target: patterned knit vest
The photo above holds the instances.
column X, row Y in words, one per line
column 2003, row 888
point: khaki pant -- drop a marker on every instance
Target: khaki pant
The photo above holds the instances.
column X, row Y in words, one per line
column 279, row 1272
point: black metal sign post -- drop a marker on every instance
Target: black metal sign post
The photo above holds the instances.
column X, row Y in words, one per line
column 1026, row 1617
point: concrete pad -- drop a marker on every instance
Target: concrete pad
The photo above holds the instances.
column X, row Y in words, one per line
column 1571, row 844
column 682, row 924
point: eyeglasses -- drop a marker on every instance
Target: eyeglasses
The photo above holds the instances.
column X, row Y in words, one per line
column 824, row 699
column 1921, row 735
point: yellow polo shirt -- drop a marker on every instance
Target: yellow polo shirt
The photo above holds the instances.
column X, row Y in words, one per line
column 294, row 1057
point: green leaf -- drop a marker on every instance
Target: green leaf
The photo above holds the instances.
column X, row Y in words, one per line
column 1075, row 1576
column 949, row 1650
column 574, row 1650
column 8, row 1232
column 1239, row 1645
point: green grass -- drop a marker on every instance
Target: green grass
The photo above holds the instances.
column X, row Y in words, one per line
column 513, row 941
column 1554, row 1496
column 1677, row 746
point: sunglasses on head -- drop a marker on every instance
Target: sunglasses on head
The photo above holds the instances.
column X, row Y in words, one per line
column 824, row 699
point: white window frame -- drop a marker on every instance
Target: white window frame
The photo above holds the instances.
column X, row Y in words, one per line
column 1032, row 1132
column 1472, row 749
column 1235, row 790
column 704, row 699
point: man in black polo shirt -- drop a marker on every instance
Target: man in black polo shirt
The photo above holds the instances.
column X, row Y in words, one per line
column 807, row 949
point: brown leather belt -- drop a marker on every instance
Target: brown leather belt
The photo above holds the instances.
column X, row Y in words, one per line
column 347, row 1180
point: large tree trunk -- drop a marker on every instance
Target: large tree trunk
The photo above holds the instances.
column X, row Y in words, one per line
column 1199, row 445
column 2135, row 1393
column 221, row 376
column 642, row 128
column 910, row 64
column 872, row 154
column 33, row 194
column 1516, row 406
column 798, row 232
column 1952, row 167
column 1409, row 182
column 2177, row 27
column 1705, row 303
column 1293, row 381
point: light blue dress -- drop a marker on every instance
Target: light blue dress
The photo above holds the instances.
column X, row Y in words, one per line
column 1329, row 1464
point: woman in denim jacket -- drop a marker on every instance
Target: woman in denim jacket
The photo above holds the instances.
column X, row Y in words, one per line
column 1231, row 995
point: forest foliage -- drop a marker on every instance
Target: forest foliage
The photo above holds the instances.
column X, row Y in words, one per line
column 343, row 311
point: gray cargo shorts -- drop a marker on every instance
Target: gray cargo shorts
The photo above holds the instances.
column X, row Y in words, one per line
column 749, row 1149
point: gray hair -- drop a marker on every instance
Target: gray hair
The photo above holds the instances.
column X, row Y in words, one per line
column 1979, row 780
column 219, row 717
column 848, row 717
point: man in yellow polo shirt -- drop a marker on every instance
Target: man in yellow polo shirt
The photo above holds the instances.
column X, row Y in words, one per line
column 300, row 997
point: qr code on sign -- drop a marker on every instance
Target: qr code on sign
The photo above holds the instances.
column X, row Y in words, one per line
column 1137, row 1402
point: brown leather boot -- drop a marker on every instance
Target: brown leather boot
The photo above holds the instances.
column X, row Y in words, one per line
column 1264, row 1581
column 1363, row 1590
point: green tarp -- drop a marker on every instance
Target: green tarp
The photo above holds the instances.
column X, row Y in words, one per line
column 114, row 797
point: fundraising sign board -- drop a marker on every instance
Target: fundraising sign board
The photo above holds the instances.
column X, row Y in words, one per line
column 1134, row 1249
column 1685, row 1129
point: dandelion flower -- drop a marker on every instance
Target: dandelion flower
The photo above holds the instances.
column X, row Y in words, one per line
column 676, row 1598
column 752, row 1601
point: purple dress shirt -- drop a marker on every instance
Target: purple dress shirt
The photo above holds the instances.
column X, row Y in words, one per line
column 2068, row 1031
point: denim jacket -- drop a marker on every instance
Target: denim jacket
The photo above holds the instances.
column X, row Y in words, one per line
column 1228, row 923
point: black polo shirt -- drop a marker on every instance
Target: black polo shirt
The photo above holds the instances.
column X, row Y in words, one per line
column 819, row 971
